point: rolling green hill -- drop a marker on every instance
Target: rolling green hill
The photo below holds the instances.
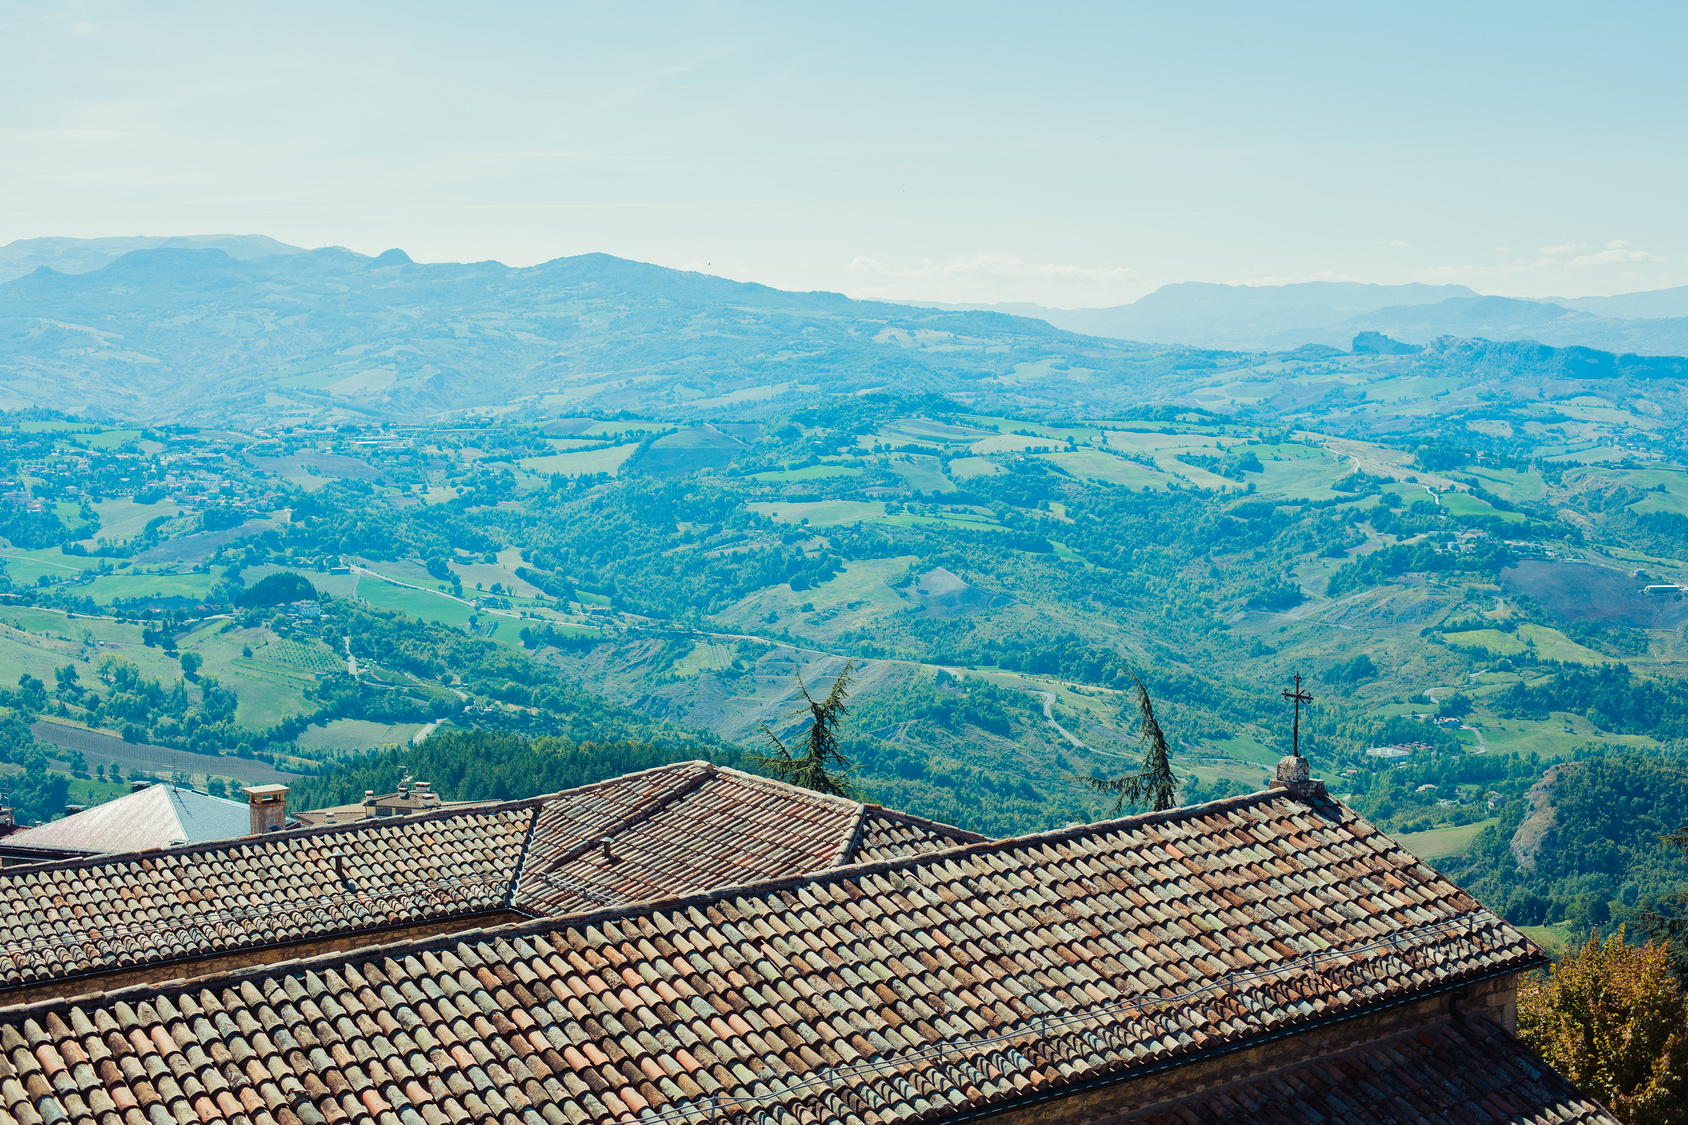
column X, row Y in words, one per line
column 608, row 505
column 195, row 335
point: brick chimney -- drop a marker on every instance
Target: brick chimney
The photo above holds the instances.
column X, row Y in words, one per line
column 268, row 804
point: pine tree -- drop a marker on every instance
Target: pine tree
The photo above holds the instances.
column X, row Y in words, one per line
column 821, row 766
column 1154, row 780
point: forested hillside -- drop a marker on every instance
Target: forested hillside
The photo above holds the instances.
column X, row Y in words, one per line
column 506, row 605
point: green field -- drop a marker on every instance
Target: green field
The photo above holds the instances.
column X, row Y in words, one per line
column 1015, row 443
column 1556, row 940
column 1546, row 642
column 1298, row 471
column 1127, row 441
column 310, row 657
column 1093, row 464
column 1199, row 477
column 269, row 690
column 424, row 604
column 922, row 473
column 481, row 577
column 607, row 459
column 1060, row 434
column 813, row 472
column 821, row 513
column 1465, row 504
column 1549, row 738
column 357, row 734
column 24, row 567
column 1554, row 645
column 968, row 521
column 123, row 518
column 1513, row 485
column 108, row 588
column 963, row 467
column 1439, row 843
column 1062, row 551
column 106, row 439
column 706, row 655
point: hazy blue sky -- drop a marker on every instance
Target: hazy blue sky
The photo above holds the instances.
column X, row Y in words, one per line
column 1069, row 154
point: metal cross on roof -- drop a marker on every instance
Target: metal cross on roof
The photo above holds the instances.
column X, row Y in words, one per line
column 1300, row 697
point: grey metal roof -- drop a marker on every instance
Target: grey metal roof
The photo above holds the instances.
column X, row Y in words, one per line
column 155, row 817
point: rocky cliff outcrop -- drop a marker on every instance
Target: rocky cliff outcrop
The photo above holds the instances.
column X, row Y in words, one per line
column 1538, row 822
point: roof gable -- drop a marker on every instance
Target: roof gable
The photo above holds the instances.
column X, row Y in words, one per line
column 696, row 826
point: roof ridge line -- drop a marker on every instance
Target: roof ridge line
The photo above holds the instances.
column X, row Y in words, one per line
column 759, row 779
column 902, row 817
column 853, row 842
column 521, row 859
column 623, row 778
column 642, row 812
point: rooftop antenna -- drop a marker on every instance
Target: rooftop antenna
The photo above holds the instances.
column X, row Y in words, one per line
column 1300, row 697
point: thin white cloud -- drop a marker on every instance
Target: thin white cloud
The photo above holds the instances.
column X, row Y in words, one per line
column 1606, row 257
column 993, row 278
column 1292, row 279
column 1566, row 248
column 1619, row 268
column 1398, row 242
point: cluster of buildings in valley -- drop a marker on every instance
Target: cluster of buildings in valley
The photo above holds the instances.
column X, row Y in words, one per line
column 693, row 944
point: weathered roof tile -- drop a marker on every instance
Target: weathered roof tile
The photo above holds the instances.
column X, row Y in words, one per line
column 753, row 991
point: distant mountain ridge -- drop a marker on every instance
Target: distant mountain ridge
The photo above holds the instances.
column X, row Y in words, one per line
column 1284, row 317
column 1652, row 304
column 173, row 333
column 83, row 255
column 200, row 336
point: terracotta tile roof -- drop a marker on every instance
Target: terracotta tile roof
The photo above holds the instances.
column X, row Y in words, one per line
column 695, row 826
column 1449, row 1073
column 886, row 834
column 75, row 917
column 928, row 986
column 686, row 827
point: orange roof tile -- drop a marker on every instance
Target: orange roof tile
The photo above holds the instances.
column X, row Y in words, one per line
column 76, row 917
column 678, row 828
column 952, row 982
column 696, row 826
